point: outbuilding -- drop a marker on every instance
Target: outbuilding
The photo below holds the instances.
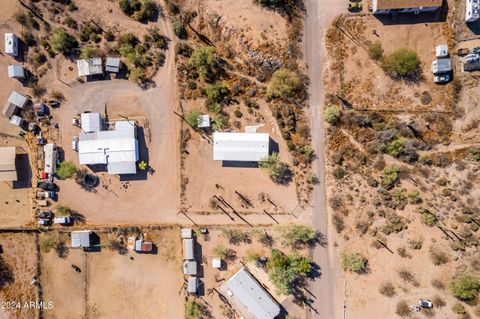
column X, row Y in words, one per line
column 441, row 51
column 143, row 246
column 243, row 147
column 17, row 120
column 16, row 71
column 15, row 100
column 81, row 238
column 192, row 285
column 113, row 65
column 190, row 267
column 8, row 172
column 50, row 154
column 89, row 67
column 187, row 233
column 405, row 6
column 11, row 44
column 203, row 121
column 91, row 122
column 216, row 263
column 188, row 249
column 441, row 66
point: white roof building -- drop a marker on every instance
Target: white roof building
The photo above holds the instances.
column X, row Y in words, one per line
column 50, row 158
column 441, row 66
column 188, row 249
column 16, row 71
column 11, row 44
column 15, row 100
column 190, row 267
column 216, row 263
column 8, row 172
column 251, row 147
column 113, row 65
column 187, row 233
column 91, row 122
column 404, row 6
column 16, row 120
column 249, row 297
column 89, row 67
column 203, row 121
column 441, row 51
column 81, row 238
column 472, row 12
column 192, row 285
column 118, row 149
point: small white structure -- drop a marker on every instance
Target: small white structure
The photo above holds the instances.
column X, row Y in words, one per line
column 186, row 233
column 89, row 67
column 16, row 71
column 8, row 172
column 91, row 122
column 16, row 120
column 248, row 296
column 404, row 6
column 11, row 44
column 50, row 158
column 244, row 147
column 216, row 263
column 81, row 238
column 15, row 100
column 113, row 65
column 441, row 51
column 203, row 121
column 188, row 249
column 117, row 149
column 190, row 267
column 143, row 246
column 472, row 10
column 192, row 285
column 441, row 66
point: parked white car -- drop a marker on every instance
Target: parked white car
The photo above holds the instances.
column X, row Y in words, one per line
column 62, row 220
column 75, row 143
column 425, row 303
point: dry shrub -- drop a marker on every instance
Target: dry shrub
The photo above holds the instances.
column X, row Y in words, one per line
column 387, row 289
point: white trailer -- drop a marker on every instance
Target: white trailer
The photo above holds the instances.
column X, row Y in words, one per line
column 11, row 44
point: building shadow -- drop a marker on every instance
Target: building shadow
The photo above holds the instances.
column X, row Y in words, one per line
column 143, row 155
column 474, row 27
column 273, row 146
column 440, row 15
column 239, row 164
column 95, row 246
column 24, row 172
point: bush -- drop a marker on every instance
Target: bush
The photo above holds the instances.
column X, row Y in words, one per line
column 88, row 52
column 130, row 6
column 414, row 197
column 71, row 23
column 354, row 262
column 465, row 286
column 338, row 222
column 224, row 253
column 192, row 117
column 47, row 243
column 458, row 308
column 6, row 273
column 192, row 310
column 401, row 63
column 438, row 301
column 428, row 218
column 179, row 29
column 390, row 176
column 137, row 75
column 387, row 289
column 332, row 115
column 403, row 309
column 66, row 170
column 63, row 210
column 148, row 12
column 204, row 60
column 278, row 171
column 394, row 147
column 375, row 50
column 438, row 256
column 62, row 41
column 298, row 236
column 283, row 84
column 285, row 271
column 236, row 236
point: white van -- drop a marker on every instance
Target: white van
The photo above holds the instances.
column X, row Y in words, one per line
column 11, row 44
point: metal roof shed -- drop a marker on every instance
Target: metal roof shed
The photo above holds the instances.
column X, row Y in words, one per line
column 441, row 51
column 240, row 146
column 192, row 285
column 81, row 238
column 8, row 172
column 187, row 233
column 16, row 120
column 249, row 297
column 188, row 252
column 16, row 71
column 17, row 99
column 11, row 44
column 113, row 65
column 50, row 158
column 203, row 121
column 190, row 268
column 88, row 67
column 91, row 122
column 440, row 66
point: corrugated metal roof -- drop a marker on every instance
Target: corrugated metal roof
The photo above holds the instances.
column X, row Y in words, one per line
column 188, row 246
column 405, row 4
column 8, row 171
column 17, row 99
column 50, row 158
column 249, row 297
column 8, row 110
column 240, row 146
column 113, row 64
column 80, row 238
column 89, row 67
column 91, row 122
column 16, row 71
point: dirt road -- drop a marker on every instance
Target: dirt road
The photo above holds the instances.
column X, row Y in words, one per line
column 319, row 16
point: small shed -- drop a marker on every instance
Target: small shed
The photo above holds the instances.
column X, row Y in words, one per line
column 188, row 249
column 203, row 121
column 216, row 263
column 11, row 44
column 16, row 120
column 192, row 285
column 16, row 71
column 91, row 122
column 190, row 268
column 113, row 65
column 81, row 238
column 17, row 99
column 143, row 246
column 88, row 67
column 187, row 233
column 50, row 158
column 441, row 66
column 8, row 172
column 441, row 51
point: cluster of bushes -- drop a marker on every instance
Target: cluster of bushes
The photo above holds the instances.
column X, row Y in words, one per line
column 354, row 262
column 402, row 63
column 286, row 271
column 143, row 11
column 278, row 171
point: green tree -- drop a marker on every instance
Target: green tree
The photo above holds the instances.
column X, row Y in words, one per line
column 428, row 218
column 354, row 262
column 192, row 117
column 375, row 50
column 66, row 170
column 137, row 75
column 62, row 210
column 192, row 310
column 87, row 52
column 286, row 270
column 179, row 29
column 390, row 176
column 62, row 41
column 394, row 147
column 283, row 84
column 465, row 286
column 332, row 114
column 277, row 170
column 401, row 63
column 298, row 236
column 204, row 60
column 148, row 12
column 142, row 165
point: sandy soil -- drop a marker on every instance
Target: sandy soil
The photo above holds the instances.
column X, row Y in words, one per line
column 19, row 251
